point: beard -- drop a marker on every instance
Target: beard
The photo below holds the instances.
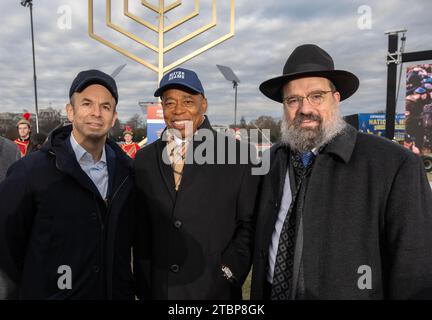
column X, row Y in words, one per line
column 305, row 139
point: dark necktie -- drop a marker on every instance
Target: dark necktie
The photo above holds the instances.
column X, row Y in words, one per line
column 283, row 270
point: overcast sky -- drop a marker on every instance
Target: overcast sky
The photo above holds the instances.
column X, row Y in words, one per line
column 266, row 32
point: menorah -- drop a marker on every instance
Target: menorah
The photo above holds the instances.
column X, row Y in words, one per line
column 161, row 29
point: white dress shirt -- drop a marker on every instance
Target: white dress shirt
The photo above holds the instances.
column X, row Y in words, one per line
column 283, row 210
column 97, row 172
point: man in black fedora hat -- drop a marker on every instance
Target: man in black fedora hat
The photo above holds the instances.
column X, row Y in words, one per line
column 341, row 214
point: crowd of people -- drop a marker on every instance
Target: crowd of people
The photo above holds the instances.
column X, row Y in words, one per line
column 336, row 214
column 419, row 107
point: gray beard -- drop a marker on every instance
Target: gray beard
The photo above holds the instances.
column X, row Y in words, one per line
column 302, row 140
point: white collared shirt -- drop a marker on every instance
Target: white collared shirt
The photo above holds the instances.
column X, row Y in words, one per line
column 97, row 172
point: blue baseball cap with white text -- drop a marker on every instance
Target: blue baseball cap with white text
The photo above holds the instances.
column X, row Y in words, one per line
column 180, row 77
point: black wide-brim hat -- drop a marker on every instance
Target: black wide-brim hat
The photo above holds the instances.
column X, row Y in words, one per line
column 309, row 60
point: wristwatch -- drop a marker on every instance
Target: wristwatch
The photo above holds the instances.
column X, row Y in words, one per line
column 227, row 273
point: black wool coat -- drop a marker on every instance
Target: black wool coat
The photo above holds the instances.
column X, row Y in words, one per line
column 184, row 237
column 52, row 215
column 368, row 209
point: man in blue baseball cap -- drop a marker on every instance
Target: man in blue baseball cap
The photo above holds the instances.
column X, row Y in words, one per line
column 182, row 84
column 196, row 220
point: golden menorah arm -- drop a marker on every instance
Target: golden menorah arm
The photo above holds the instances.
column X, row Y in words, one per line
column 113, row 26
column 122, row 51
column 190, row 16
column 208, row 46
column 172, row 6
column 198, row 52
column 93, row 35
column 127, row 13
column 150, row 6
column 159, row 9
column 192, row 35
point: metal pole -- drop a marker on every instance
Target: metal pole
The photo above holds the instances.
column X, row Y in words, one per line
column 235, row 103
column 34, row 68
column 417, row 56
column 161, row 40
column 391, row 86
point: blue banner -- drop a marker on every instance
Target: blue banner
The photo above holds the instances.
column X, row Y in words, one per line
column 374, row 123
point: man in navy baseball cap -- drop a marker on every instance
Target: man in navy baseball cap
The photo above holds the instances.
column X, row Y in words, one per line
column 83, row 179
column 183, row 101
column 187, row 214
column 89, row 77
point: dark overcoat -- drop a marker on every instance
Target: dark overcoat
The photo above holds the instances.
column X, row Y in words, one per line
column 53, row 219
column 184, row 237
column 367, row 216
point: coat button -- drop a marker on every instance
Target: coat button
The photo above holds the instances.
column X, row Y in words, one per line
column 175, row 268
column 178, row 224
column 93, row 215
column 96, row 269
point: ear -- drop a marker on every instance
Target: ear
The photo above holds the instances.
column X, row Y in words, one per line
column 114, row 119
column 70, row 112
column 337, row 96
column 204, row 105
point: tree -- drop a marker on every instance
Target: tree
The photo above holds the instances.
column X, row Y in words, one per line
column 135, row 122
column 267, row 122
column 116, row 133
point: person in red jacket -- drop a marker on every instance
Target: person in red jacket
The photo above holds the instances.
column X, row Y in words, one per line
column 128, row 145
column 24, row 130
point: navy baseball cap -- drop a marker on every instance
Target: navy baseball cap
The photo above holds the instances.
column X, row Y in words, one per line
column 89, row 77
column 180, row 77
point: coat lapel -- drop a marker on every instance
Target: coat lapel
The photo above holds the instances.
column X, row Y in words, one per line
column 278, row 173
column 67, row 163
column 165, row 170
column 276, row 180
column 111, row 164
column 191, row 170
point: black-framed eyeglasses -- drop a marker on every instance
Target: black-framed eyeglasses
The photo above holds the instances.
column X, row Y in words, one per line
column 314, row 98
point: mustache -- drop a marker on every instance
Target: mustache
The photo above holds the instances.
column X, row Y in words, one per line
column 301, row 117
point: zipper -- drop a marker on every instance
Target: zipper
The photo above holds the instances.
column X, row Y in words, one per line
column 108, row 202
column 108, row 209
column 116, row 192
